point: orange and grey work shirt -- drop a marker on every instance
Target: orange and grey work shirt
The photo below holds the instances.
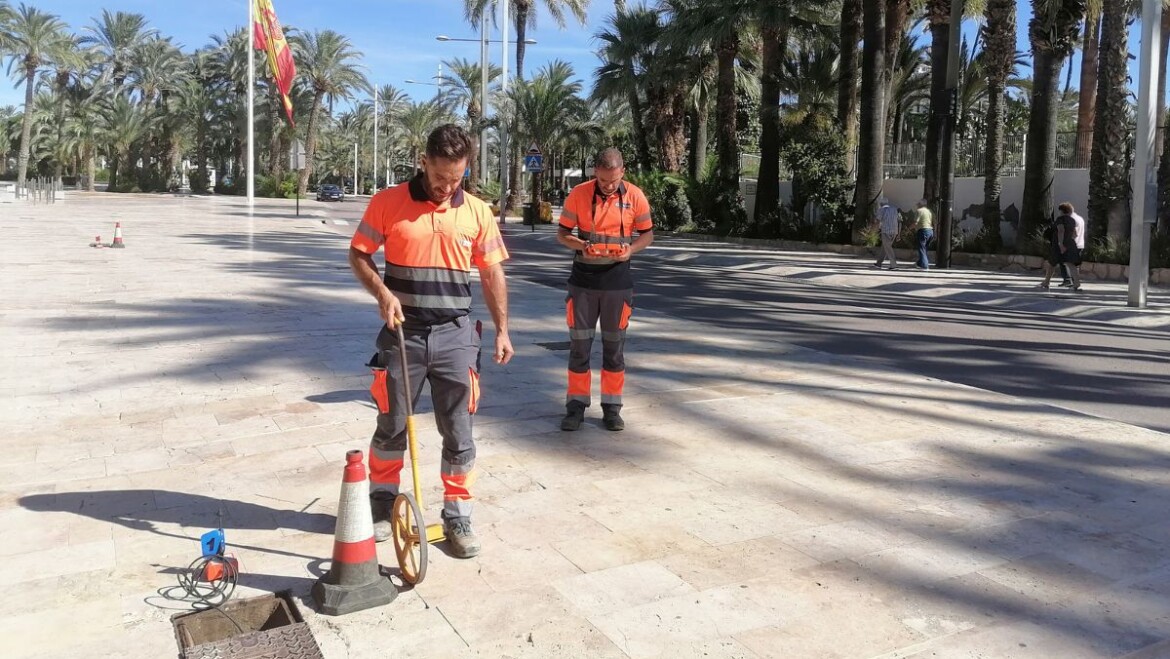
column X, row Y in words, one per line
column 430, row 250
column 604, row 220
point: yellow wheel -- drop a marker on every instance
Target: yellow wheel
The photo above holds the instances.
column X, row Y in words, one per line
column 410, row 538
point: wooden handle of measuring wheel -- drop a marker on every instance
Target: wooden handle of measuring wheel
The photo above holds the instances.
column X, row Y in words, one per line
column 410, row 433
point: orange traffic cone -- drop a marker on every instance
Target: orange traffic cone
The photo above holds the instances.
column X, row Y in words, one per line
column 118, row 236
column 354, row 581
column 97, row 242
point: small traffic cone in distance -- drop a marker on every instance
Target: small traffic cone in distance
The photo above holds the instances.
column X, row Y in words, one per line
column 118, row 236
column 354, row 581
column 97, row 242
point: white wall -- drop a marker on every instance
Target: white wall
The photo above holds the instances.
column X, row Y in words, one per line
column 1071, row 185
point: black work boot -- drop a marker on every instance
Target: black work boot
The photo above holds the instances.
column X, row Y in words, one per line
column 462, row 539
column 380, row 507
column 611, row 417
column 574, row 415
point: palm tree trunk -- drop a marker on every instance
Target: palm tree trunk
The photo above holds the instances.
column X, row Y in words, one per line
column 310, row 143
column 112, row 186
column 473, row 123
column 671, row 132
column 275, row 155
column 26, row 127
column 1000, row 54
column 90, row 169
column 637, row 115
column 873, row 105
column 940, row 39
column 1086, row 106
column 728, row 146
column 847, row 85
column 768, row 185
column 701, row 141
column 1040, row 157
column 1108, row 166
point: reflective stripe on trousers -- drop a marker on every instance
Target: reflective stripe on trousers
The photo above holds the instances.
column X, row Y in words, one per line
column 584, row 307
column 446, row 356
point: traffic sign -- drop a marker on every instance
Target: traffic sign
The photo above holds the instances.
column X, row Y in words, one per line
column 534, row 162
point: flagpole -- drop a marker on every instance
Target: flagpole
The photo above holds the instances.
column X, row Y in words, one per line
column 249, row 36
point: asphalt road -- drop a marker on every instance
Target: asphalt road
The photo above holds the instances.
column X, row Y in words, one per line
column 1093, row 367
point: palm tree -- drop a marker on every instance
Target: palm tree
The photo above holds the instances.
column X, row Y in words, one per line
column 847, row 83
column 546, row 108
column 461, row 92
column 118, row 36
column 31, row 35
column 328, row 65
column 871, row 144
column 417, row 121
column 628, row 45
column 999, row 34
column 124, row 124
column 720, row 25
column 1108, row 166
column 68, row 65
column 523, row 15
column 1090, row 53
column 1053, row 31
column 776, row 19
column 939, row 15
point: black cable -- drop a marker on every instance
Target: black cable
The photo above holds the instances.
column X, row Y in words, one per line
column 208, row 594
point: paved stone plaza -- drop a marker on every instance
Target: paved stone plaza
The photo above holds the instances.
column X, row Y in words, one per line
column 766, row 500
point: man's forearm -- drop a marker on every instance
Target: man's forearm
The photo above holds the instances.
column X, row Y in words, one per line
column 567, row 239
column 366, row 272
column 643, row 241
column 495, row 295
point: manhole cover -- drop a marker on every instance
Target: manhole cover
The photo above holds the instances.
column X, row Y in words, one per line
column 268, row 626
column 554, row 345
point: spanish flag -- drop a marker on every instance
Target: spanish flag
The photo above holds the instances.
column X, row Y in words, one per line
column 267, row 36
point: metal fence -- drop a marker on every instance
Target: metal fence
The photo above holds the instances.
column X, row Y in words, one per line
column 1072, row 152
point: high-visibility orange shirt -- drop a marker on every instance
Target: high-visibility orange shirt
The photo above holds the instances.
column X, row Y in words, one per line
column 604, row 220
column 430, row 250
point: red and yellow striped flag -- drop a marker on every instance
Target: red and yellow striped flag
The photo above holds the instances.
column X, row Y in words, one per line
column 269, row 37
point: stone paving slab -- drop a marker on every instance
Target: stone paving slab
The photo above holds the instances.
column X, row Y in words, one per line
column 766, row 500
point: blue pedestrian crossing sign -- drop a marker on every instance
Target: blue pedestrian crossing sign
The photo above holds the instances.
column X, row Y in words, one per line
column 534, row 160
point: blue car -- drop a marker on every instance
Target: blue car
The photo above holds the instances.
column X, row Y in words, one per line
column 330, row 192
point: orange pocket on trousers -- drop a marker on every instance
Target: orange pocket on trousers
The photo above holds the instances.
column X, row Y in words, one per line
column 473, row 399
column 378, row 391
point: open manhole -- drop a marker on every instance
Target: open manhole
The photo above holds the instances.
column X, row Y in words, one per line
column 252, row 628
column 554, row 345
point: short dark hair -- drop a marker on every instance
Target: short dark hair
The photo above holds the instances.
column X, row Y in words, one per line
column 1066, row 208
column 609, row 158
column 449, row 142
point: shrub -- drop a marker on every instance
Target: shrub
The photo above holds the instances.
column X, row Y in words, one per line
column 199, row 180
column 1108, row 250
column 667, row 194
column 816, row 158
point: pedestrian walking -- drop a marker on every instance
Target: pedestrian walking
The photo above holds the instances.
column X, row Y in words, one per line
column 923, row 232
column 432, row 233
column 1067, row 209
column 889, row 224
column 598, row 223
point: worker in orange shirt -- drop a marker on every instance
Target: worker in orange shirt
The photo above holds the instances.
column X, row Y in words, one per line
column 599, row 223
column 433, row 233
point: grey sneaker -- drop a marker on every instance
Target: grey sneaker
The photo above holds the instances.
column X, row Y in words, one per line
column 462, row 539
column 612, row 418
column 574, row 415
column 383, row 529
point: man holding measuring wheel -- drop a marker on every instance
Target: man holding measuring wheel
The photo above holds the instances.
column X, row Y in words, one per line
column 433, row 233
column 605, row 213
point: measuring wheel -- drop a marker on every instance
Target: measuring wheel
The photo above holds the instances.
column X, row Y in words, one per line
column 410, row 539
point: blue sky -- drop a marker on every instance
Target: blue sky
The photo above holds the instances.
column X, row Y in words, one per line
column 396, row 36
